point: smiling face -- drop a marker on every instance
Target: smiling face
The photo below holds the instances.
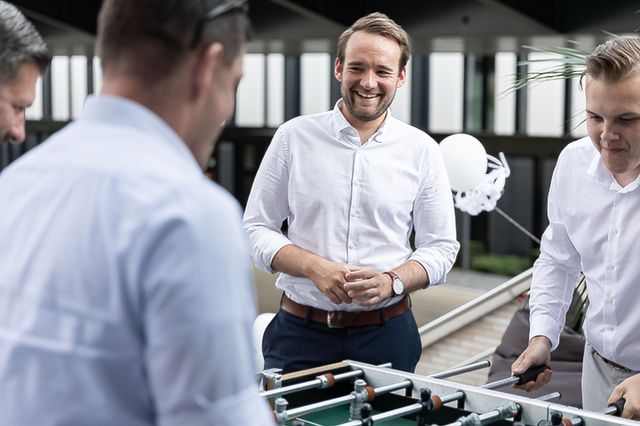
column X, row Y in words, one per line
column 370, row 76
column 15, row 97
column 613, row 123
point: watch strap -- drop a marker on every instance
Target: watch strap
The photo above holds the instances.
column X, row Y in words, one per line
column 392, row 274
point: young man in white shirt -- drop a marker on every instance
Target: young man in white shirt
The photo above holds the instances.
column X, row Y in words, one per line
column 23, row 58
column 352, row 184
column 594, row 202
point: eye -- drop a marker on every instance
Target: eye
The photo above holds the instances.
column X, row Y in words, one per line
column 593, row 117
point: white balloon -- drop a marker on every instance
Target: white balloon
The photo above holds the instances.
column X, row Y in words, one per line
column 466, row 161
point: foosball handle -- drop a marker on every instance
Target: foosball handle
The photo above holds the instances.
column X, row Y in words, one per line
column 619, row 406
column 531, row 374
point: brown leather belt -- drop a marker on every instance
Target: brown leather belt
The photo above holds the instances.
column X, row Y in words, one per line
column 612, row 364
column 342, row 319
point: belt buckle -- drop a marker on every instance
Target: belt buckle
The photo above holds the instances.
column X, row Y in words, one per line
column 334, row 316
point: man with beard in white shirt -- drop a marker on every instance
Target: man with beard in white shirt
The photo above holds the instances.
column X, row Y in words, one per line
column 353, row 184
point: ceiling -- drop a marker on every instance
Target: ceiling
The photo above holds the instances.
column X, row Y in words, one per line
column 292, row 26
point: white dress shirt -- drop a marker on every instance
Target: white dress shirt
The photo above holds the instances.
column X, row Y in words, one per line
column 350, row 202
column 593, row 227
column 125, row 289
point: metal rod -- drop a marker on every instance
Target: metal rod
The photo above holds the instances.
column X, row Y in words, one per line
column 387, row 415
column 311, row 384
column 306, row 409
column 549, row 396
column 330, row 403
column 460, row 370
column 509, row 409
column 499, row 383
column 315, row 383
column 452, row 397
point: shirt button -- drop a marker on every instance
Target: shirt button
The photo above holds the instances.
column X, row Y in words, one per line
column 614, row 232
column 610, row 267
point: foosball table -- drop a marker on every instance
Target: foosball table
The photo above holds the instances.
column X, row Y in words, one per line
column 352, row 393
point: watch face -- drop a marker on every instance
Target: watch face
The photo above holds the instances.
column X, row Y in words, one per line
column 398, row 286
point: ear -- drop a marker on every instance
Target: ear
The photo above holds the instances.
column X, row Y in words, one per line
column 402, row 78
column 206, row 64
column 338, row 70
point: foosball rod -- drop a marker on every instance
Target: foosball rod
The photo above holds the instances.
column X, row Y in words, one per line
column 437, row 403
column 321, row 382
column 371, row 393
column 306, row 409
column 614, row 409
column 509, row 409
column 527, row 376
column 328, row 380
column 461, row 370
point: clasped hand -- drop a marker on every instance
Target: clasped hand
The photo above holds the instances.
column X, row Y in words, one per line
column 343, row 283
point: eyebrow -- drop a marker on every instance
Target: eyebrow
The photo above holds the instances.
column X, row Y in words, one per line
column 378, row 67
column 624, row 114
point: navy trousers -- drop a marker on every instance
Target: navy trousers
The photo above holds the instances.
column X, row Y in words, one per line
column 292, row 343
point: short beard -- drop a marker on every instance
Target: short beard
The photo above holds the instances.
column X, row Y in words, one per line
column 364, row 118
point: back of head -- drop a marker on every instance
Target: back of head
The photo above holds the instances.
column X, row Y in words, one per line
column 379, row 24
column 148, row 39
column 614, row 59
column 19, row 42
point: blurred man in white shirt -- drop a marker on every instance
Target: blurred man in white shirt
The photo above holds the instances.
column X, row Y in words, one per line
column 23, row 58
column 126, row 295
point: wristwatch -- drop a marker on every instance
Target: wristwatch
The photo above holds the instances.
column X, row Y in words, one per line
column 396, row 284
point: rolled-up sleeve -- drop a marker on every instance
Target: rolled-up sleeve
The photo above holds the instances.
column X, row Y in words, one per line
column 434, row 221
column 268, row 205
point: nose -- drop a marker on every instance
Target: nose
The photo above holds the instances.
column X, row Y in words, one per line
column 17, row 131
column 368, row 80
column 609, row 131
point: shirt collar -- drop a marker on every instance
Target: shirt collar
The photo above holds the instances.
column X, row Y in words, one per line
column 125, row 112
column 603, row 176
column 342, row 126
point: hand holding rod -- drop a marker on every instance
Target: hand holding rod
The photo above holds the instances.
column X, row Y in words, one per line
column 527, row 376
column 614, row 409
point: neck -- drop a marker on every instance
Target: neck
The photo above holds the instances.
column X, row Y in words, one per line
column 365, row 129
column 625, row 179
column 156, row 98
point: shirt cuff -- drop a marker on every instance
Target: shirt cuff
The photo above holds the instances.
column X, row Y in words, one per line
column 545, row 325
column 264, row 251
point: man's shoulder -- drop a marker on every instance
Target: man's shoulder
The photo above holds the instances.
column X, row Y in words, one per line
column 316, row 119
column 583, row 143
column 407, row 133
